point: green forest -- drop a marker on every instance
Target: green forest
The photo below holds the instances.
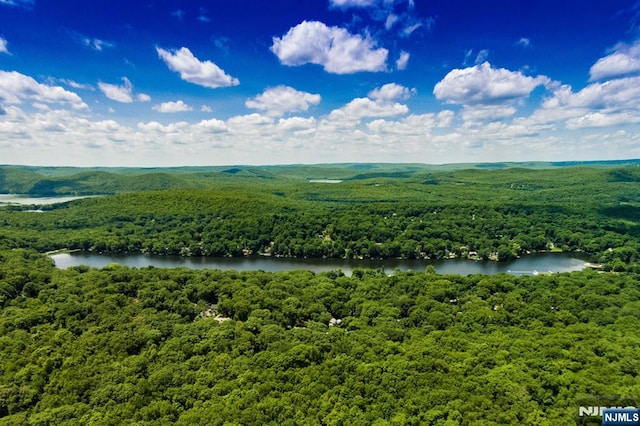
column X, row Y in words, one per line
column 144, row 346
column 379, row 211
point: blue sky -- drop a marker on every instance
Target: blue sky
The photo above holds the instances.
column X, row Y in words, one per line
column 173, row 83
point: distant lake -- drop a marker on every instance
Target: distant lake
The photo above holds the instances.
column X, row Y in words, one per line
column 21, row 199
column 527, row 265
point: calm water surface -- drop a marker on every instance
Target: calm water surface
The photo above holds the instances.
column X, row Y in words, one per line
column 6, row 199
column 528, row 265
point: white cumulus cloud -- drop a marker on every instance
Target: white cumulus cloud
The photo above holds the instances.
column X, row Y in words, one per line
column 212, row 126
column 624, row 60
column 122, row 93
column 486, row 113
column 618, row 94
column 191, row 69
column 250, row 125
column 378, row 103
column 412, row 125
column 599, row 119
column 483, row 84
column 154, row 126
column 390, row 92
column 169, row 107
column 296, row 124
column 15, row 87
column 277, row 101
column 334, row 48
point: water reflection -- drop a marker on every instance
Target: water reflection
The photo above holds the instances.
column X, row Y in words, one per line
column 528, row 265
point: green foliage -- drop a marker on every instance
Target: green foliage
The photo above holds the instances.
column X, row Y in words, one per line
column 174, row 346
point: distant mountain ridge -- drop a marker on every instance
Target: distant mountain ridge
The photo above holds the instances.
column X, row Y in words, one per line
column 51, row 181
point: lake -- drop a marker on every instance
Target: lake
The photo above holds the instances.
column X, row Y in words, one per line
column 527, row 265
column 21, row 199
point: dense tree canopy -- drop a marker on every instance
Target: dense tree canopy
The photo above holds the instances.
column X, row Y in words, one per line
column 178, row 346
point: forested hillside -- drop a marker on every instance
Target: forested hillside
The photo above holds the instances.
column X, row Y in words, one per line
column 367, row 212
column 48, row 181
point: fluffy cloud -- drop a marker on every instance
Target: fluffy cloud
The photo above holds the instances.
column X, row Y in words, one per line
column 118, row 93
column 599, row 119
column 255, row 119
column 122, row 93
column 412, row 125
column 191, row 69
column 250, row 125
column 390, row 92
column 334, row 48
column 483, row 84
column 364, row 107
column 476, row 114
column 212, row 126
column 168, row 107
column 618, row 94
column 257, row 139
column 296, row 124
column 15, row 87
column 624, row 60
column 379, row 103
column 3, row 45
column 601, row 104
column 280, row 100
column 154, row 126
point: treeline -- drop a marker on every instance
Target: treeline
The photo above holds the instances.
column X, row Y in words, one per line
column 177, row 346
